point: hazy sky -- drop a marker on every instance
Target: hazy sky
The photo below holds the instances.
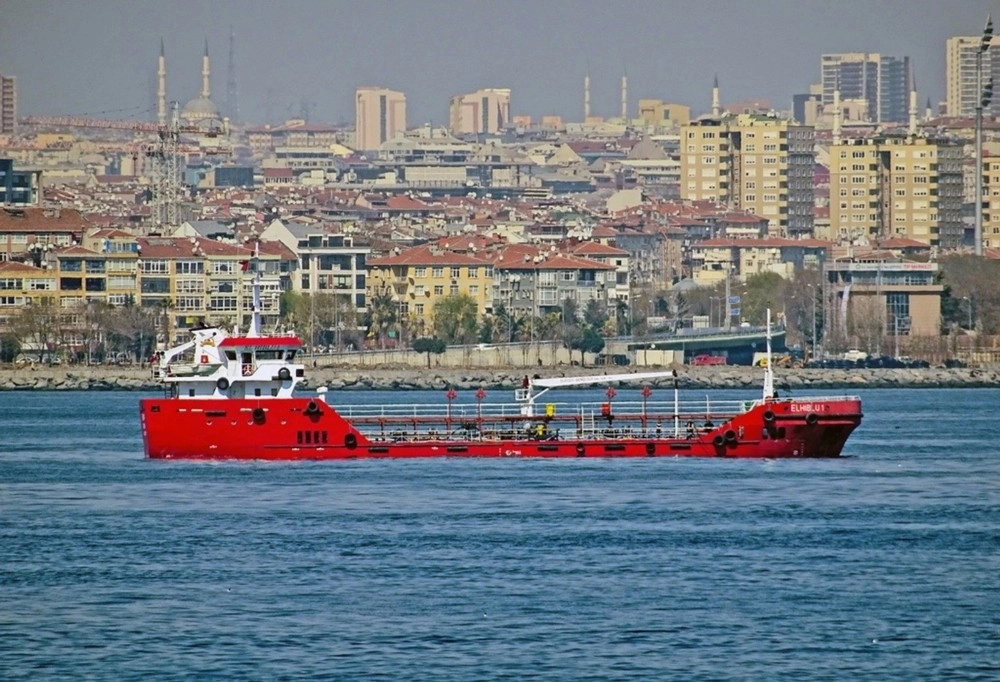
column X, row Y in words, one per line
column 98, row 57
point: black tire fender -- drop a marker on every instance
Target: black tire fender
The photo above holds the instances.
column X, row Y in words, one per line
column 284, row 374
column 811, row 418
column 350, row 441
column 768, row 416
column 222, row 384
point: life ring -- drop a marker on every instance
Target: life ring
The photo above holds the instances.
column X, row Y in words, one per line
column 580, row 450
column 768, row 416
column 350, row 441
column 284, row 374
column 718, row 441
column 650, row 448
column 258, row 414
column 730, row 436
column 312, row 407
column 811, row 418
column 222, row 384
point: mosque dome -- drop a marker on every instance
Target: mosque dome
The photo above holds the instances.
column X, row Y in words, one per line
column 199, row 109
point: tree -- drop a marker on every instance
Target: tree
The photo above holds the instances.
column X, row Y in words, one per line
column 382, row 316
column 10, row 347
column 429, row 344
column 586, row 341
column 595, row 314
column 37, row 329
column 456, row 318
column 974, row 278
column 132, row 329
column 764, row 291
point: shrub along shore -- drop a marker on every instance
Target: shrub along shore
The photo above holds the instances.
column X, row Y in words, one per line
column 82, row 378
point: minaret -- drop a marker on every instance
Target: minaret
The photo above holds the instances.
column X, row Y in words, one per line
column 206, row 92
column 913, row 104
column 836, row 113
column 586, row 97
column 716, row 106
column 928, row 112
column 161, row 88
column 625, row 96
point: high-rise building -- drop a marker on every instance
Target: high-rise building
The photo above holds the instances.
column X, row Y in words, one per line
column 961, row 88
column 753, row 162
column 881, row 82
column 8, row 104
column 897, row 186
column 380, row 115
column 484, row 111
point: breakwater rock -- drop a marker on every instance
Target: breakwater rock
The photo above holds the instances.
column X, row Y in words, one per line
column 78, row 378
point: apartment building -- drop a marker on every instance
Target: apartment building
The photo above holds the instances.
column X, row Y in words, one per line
column 380, row 115
column 881, row 82
column 8, row 105
column 485, row 111
column 330, row 262
column 897, row 186
column 419, row 277
column 962, row 92
column 991, row 198
column 752, row 162
column 196, row 280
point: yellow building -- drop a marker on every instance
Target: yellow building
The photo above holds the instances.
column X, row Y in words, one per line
column 418, row 278
column 897, row 186
column 752, row 162
column 991, row 199
column 657, row 113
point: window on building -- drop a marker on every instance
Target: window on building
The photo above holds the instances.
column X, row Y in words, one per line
column 437, row 271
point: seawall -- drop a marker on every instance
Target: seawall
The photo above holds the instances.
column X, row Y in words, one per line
column 79, row 378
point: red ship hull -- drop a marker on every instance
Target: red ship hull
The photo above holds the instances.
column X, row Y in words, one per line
column 305, row 429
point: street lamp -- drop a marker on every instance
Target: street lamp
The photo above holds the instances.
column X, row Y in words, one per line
column 515, row 285
column 984, row 95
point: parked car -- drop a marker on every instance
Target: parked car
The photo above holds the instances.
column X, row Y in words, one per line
column 854, row 355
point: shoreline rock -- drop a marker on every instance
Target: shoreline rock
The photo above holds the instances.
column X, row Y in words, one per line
column 78, row 378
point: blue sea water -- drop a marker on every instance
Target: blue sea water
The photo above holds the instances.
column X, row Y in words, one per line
column 882, row 565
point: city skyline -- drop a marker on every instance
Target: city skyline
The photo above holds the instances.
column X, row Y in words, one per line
column 100, row 58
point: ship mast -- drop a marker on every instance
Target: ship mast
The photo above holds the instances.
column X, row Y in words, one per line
column 255, row 318
column 768, row 369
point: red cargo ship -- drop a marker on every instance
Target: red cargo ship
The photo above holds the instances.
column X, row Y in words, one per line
column 233, row 397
